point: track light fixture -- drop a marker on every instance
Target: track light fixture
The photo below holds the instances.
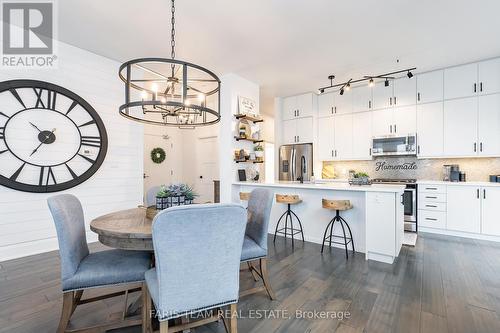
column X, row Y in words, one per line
column 320, row 91
column 345, row 86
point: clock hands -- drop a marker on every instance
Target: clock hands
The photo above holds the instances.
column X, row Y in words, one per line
column 35, row 127
column 47, row 138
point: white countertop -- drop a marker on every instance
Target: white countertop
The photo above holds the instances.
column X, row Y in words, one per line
column 336, row 186
column 440, row 182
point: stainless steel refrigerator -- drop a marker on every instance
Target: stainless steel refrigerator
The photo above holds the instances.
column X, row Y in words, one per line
column 296, row 161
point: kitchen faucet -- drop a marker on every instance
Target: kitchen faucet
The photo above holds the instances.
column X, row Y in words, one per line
column 302, row 169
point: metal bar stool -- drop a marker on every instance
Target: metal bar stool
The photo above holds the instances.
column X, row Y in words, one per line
column 289, row 200
column 338, row 205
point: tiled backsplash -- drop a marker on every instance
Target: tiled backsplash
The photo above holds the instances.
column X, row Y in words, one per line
column 476, row 169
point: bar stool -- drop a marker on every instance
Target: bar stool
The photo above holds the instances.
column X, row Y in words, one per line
column 289, row 200
column 338, row 205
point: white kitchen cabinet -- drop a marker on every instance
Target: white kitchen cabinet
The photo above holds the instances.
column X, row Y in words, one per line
column 361, row 98
column 489, row 125
column 430, row 87
column 382, row 96
column 305, row 105
column 382, row 122
column 343, row 136
column 343, row 103
column 305, row 130
column 463, row 211
column 362, row 135
column 460, row 127
column 404, row 120
column 289, row 131
column 289, row 107
column 326, row 104
column 430, row 129
column 460, row 81
column 490, row 222
column 326, row 139
column 489, row 76
column 405, row 91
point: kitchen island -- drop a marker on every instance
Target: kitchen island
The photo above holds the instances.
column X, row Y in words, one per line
column 376, row 219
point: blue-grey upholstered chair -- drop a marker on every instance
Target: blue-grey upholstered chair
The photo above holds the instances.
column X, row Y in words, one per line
column 197, row 255
column 151, row 195
column 82, row 270
column 255, row 242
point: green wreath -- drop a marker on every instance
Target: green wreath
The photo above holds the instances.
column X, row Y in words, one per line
column 158, row 155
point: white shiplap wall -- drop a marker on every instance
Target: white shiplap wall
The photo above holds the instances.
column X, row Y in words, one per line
column 26, row 226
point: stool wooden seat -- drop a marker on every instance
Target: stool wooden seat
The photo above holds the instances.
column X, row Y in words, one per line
column 244, row 196
column 291, row 199
column 288, row 199
column 338, row 206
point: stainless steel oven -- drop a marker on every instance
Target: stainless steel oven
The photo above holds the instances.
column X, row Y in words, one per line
column 409, row 200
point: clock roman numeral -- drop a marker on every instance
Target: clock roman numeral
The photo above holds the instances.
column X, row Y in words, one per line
column 38, row 93
column 87, row 158
column 72, row 106
column 18, row 171
column 50, row 175
column 2, row 132
column 88, row 123
column 92, row 141
column 51, row 98
column 73, row 174
column 16, row 95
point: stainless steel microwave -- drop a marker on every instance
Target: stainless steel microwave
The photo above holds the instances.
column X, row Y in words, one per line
column 394, row 145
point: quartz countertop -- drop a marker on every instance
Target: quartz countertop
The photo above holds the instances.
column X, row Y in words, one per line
column 441, row 182
column 336, row 186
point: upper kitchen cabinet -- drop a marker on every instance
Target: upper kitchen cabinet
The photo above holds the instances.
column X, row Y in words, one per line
column 460, row 127
column 326, row 139
column 489, row 76
column 361, row 99
column 489, row 125
column 404, row 91
column 298, row 106
column 382, row 95
column 382, row 122
column 362, row 136
column 460, row 81
column 343, row 136
column 343, row 103
column 430, row 130
column 289, row 131
column 326, row 104
column 405, row 120
column 430, row 87
column 298, row 130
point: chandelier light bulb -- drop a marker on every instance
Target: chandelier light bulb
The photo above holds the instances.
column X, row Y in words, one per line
column 371, row 83
column 348, row 87
column 144, row 94
column 163, row 100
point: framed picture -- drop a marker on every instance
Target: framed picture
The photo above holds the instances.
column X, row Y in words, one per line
column 242, row 175
column 247, row 106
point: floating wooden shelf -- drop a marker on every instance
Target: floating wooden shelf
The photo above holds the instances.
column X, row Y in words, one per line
column 250, row 118
column 249, row 161
column 247, row 139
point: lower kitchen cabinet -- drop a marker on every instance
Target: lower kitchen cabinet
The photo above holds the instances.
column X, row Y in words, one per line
column 490, row 220
column 463, row 211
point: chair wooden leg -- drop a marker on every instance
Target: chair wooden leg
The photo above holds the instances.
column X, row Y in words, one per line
column 265, row 278
column 76, row 299
column 67, row 310
column 233, row 326
column 146, row 309
column 250, row 268
column 164, row 326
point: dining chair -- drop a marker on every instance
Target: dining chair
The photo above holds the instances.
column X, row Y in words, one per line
column 197, row 254
column 255, row 241
column 82, row 270
column 151, row 195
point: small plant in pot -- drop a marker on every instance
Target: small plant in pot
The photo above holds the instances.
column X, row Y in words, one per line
column 175, row 195
column 360, row 178
column 259, row 151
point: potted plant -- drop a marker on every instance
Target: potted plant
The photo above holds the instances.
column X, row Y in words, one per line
column 259, row 151
column 175, row 195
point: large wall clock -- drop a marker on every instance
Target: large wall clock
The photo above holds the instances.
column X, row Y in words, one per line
column 51, row 139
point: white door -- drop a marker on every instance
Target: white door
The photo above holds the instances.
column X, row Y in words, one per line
column 430, row 87
column 463, row 210
column 382, row 95
column 430, row 129
column 460, row 127
column 382, row 122
column 207, row 163
column 489, row 76
column 305, row 105
column 343, row 136
column 304, row 130
column 343, row 103
column 156, row 174
column 326, row 104
column 362, row 135
column 289, row 131
column 490, row 223
column 326, row 138
column 361, row 98
column 405, row 91
column 289, row 107
column 489, row 125
column 404, row 119
column 460, row 81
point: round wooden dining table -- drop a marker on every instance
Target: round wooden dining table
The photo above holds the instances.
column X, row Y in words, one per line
column 126, row 229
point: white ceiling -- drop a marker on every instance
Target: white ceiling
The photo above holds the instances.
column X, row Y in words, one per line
column 289, row 46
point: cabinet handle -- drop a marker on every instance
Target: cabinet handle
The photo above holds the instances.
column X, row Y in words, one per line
column 390, row 128
column 484, row 193
column 431, row 197
column 395, row 130
column 481, row 86
column 335, row 152
column 481, row 146
column 478, row 193
column 335, row 109
column 369, row 104
column 298, row 138
column 431, row 188
column 475, row 147
column 475, row 87
column 418, row 97
column 395, row 101
column 332, row 152
column 332, row 109
column 430, row 219
column 370, row 152
column 433, row 206
column 298, row 113
column 418, row 149
column 390, row 100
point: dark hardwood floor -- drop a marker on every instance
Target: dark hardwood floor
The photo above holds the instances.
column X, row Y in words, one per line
column 444, row 284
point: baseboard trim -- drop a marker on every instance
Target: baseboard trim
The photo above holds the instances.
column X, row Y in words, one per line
column 459, row 234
